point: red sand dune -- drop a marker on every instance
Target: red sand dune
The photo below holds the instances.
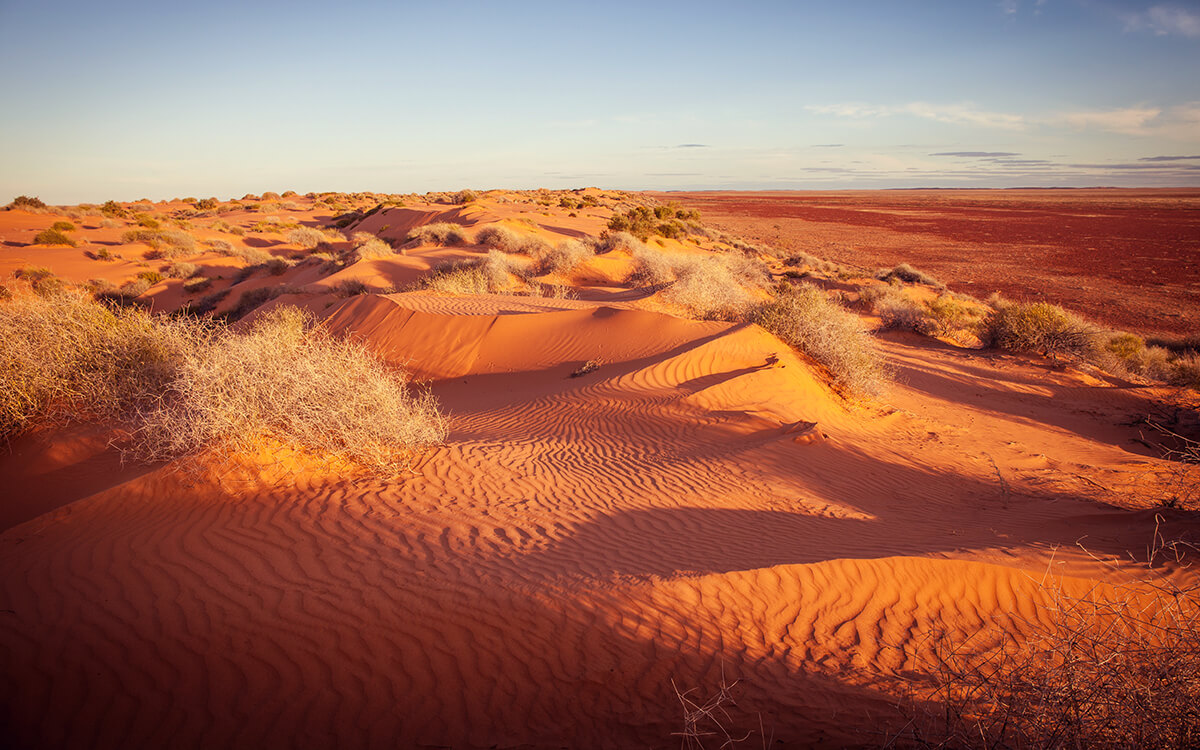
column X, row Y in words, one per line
column 702, row 507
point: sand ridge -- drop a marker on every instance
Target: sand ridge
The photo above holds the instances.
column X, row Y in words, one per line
column 703, row 505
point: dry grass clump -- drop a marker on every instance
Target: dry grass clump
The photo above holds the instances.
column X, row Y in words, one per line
column 53, row 237
column 1040, row 327
column 908, row 275
column 610, row 241
column 493, row 273
column 707, row 287
column 806, row 319
column 182, row 270
column 65, row 356
column 563, row 258
column 1114, row 667
column 164, row 243
column 650, row 268
column 464, row 196
column 286, row 379
column 41, row 280
column 442, row 233
column 368, row 247
column 26, row 203
column 506, row 240
column 306, row 237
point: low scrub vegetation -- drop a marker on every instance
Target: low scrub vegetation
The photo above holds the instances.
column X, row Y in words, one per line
column 53, row 237
column 164, row 243
column 502, row 238
column 908, row 275
column 442, row 233
column 644, row 222
column 493, row 273
column 26, row 203
column 1040, row 327
column 186, row 387
column 805, row 318
column 306, row 237
column 562, row 259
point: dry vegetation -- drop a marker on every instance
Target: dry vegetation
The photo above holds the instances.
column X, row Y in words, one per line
column 187, row 386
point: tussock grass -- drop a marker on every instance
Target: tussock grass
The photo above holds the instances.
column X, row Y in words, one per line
column 908, row 275
column 41, row 280
column 66, row 357
column 1042, row 328
column 707, row 287
column 164, row 243
column 563, row 258
column 803, row 317
column 442, row 233
column 53, row 237
column 492, row 274
column 504, row 239
column 306, row 237
column 286, row 379
column 186, row 387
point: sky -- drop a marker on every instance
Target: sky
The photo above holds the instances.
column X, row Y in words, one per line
column 128, row 100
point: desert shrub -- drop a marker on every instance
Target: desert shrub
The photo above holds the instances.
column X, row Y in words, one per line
column 109, row 224
column 909, row 275
column 114, row 210
column 197, row 285
column 706, row 288
column 306, row 237
column 63, row 226
column 1185, row 371
column 65, row 356
column 165, row 243
column 562, row 259
column 643, row 222
column 181, row 270
column 609, row 241
column 151, row 276
column 505, row 239
column 371, row 249
column 26, row 203
column 650, row 268
column 285, row 379
column 896, row 309
column 134, row 288
column 803, row 317
column 40, row 279
column 350, row 288
column 207, row 204
column 492, row 273
column 146, row 220
column 1040, row 327
column 464, row 196
column 449, row 235
column 1125, row 345
column 52, row 237
column 270, row 196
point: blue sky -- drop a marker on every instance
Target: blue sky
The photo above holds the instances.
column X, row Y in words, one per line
column 150, row 99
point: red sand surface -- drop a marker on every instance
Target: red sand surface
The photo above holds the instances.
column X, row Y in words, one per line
column 1126, row 258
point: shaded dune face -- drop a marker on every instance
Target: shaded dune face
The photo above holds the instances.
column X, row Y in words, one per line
column 699, row 508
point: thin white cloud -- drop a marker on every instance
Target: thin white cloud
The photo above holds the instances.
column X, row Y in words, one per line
column 1009, row 7
column 1165, row 20
column 1129, row 121
column 958, row 114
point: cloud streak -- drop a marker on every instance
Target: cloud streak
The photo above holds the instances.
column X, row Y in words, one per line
column 1165, row 20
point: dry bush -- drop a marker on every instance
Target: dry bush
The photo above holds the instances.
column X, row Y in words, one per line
column 707, row 288
column 1113, row 667
column 650, row 268
column 442, row 233
column 169, row 243
column 909, row 275
column 350, row 288
column 1040, row 327
column 288, row 380
column 52, row 237
column 491, row 274
column 502, row 238
column 182, row 270
column 896, row 310
column 306, row 237
column 803, row 317
column 464, row 196
column 25, row 203
column 40, row 279
column 65, row 356
column 562, row 259
column 369, row 247
column 609, row 241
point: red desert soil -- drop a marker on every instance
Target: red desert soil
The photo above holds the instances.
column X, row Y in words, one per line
column 1126, row 258
column 703, row 506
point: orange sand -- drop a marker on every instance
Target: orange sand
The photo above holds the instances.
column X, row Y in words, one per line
column 700, row 507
